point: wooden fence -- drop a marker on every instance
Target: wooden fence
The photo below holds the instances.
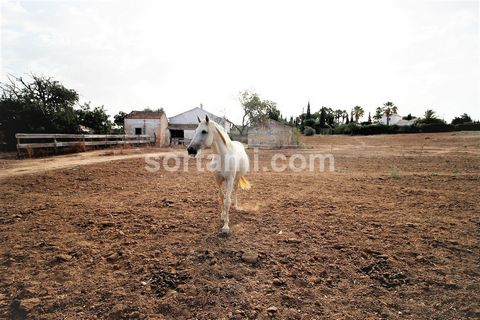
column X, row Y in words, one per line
column 29, row 141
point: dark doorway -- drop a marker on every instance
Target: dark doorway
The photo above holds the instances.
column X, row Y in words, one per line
column 176, row 133
column 138, row 130
column 176, row 137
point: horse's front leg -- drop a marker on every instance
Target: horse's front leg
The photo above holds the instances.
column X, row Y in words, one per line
column 226, row 228
column 220, row 180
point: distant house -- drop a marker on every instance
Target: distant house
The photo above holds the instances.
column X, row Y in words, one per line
column 154, row 124
column 404, row 122
column 396, row 119
column 182, row 126
column 86, row 130
column 272, row 134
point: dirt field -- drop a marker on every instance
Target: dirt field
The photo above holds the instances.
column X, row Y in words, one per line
column 392, row 233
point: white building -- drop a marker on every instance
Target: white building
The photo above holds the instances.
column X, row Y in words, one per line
column 182, row 126
column 150, row 123
column 396, row 119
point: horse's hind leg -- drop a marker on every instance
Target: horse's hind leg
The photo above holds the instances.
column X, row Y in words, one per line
column 226, row 228
column 235, row 193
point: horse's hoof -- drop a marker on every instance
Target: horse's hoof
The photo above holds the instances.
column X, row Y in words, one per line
column 225, row 230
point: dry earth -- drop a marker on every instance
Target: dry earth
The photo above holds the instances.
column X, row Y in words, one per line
column 392, row 233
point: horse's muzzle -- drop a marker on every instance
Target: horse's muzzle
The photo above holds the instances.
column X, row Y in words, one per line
column 191, row 151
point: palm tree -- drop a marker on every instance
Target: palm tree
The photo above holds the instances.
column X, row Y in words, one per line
column 345, row 116
column 430, row 115
column 338, row 115
column 378, row 114
column 388, row 109
column 358, row 112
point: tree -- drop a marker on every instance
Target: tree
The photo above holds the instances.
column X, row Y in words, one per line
column 358, row 112
column 464, row 118
column 255, row 110
column 96, row 118
column 272, row 111
column 35, row 105
column 309, row 115
column 369, row 118
column 119, row 119
column 345, row 116
column 338, row 115
column 378, row 114
column 430, row 117
column 388, row 110
column 323, row 117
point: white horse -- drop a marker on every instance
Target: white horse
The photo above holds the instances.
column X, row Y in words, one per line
column 229, row 164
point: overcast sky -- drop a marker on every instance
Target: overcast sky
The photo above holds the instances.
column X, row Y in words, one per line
column 128, row 55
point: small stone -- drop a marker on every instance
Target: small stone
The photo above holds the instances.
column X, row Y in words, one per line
column 250, row 257
column 117, row 312
column 112, row 257
column 293, row 240
column 272, row 310
column 24, row 307
column 278, row 282
column 62, row 257
column 473, row 313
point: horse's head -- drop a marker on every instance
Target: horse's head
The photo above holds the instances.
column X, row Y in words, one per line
column 203, row 136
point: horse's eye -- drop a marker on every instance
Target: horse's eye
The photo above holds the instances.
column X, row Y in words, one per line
column 204, row 132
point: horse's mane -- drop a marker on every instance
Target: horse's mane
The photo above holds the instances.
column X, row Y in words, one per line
column 223, row 135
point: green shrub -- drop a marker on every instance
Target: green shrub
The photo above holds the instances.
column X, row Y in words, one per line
column 435, row 127
column 472, row 126
column 346, row 128
column 355, row 129
column 309, row 131
column 309, row 123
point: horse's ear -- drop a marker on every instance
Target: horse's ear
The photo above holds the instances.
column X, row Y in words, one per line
column 206, row 119
column 199, row 119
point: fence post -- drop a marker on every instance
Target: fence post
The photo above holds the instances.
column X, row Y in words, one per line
column 55, row 144
column 18, row 142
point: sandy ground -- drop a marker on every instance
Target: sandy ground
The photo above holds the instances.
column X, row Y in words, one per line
column 392, row 233
column 12, row 167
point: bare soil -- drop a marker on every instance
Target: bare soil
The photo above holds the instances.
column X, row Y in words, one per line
column 392, row 233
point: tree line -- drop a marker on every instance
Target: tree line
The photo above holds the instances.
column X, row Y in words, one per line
column 39, row 104
column 340, row 121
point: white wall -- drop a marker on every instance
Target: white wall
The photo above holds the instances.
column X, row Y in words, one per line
column 188, row 134
column 394, row 118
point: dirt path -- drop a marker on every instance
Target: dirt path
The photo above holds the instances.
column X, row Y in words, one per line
column 30, row 166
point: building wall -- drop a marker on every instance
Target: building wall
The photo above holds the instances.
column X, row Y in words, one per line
column 190, row 117
column 188, row 134
column 155, row 128
column 394, row 118
column 272, row 134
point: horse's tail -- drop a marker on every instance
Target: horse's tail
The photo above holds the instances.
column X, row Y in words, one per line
column 243, row 183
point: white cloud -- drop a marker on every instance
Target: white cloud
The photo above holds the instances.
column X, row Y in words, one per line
column 131, row 54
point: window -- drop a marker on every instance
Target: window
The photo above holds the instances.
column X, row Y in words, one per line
column 138, row 130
